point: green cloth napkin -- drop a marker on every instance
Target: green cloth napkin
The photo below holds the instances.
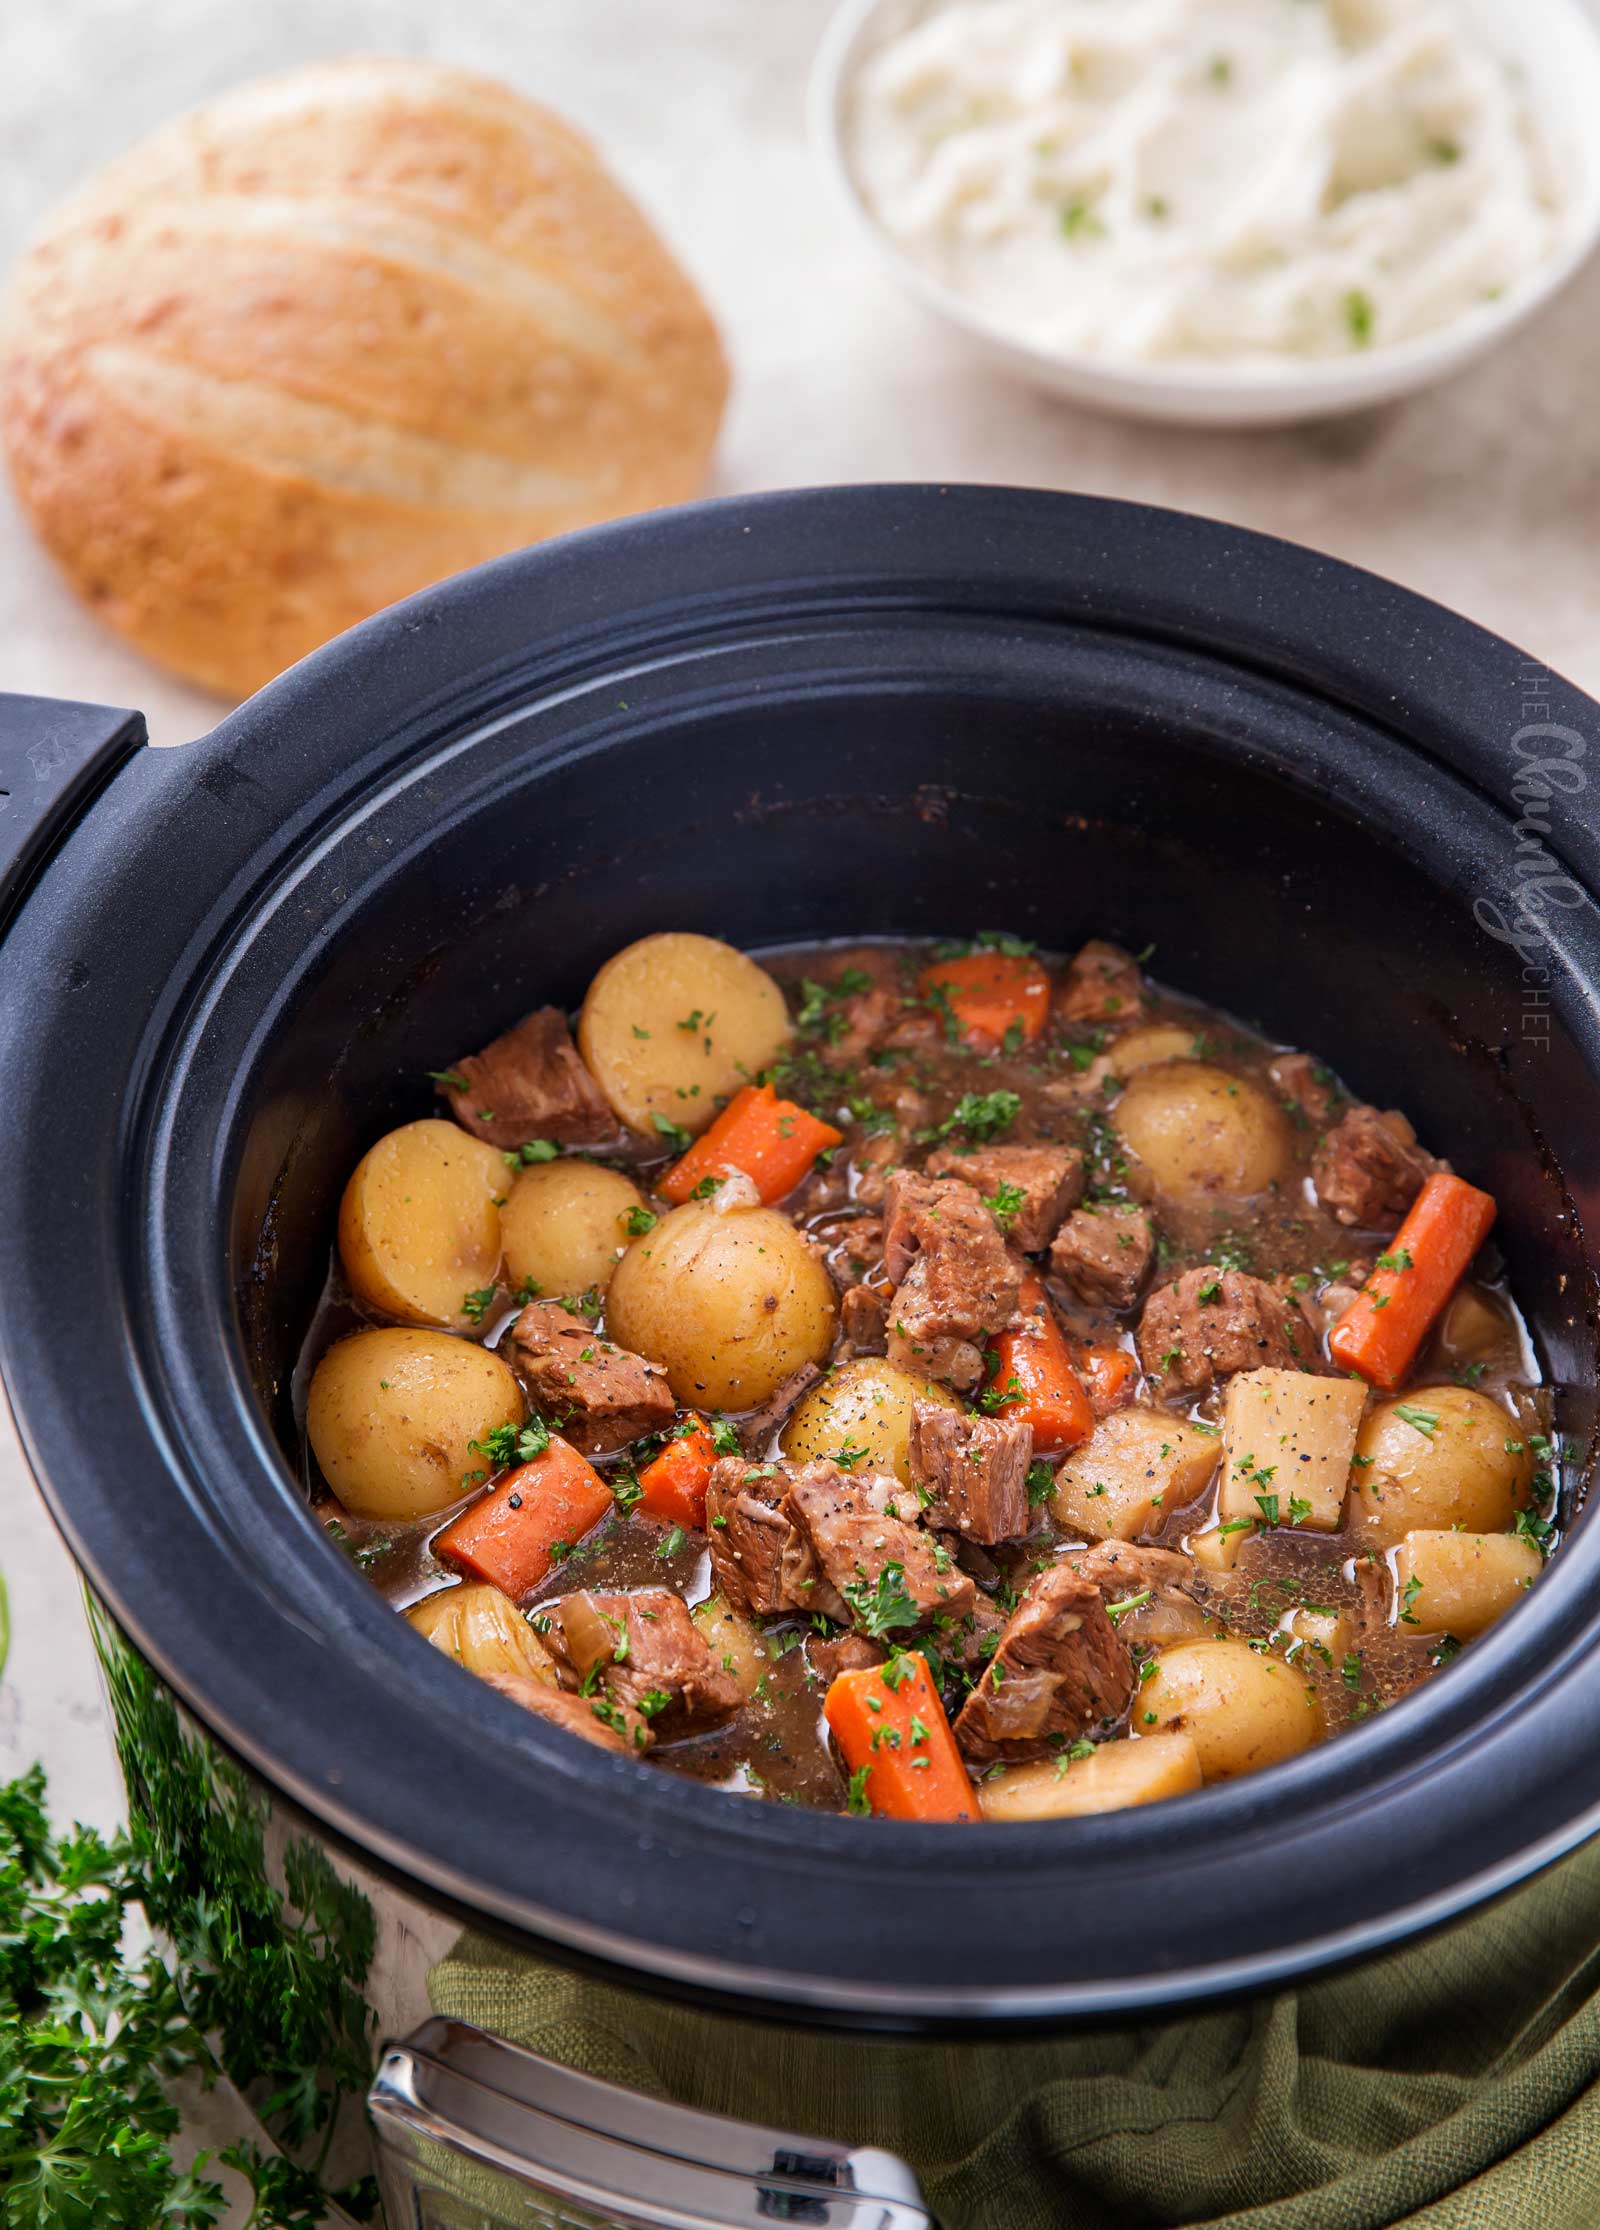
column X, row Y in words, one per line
column 1451, row 2086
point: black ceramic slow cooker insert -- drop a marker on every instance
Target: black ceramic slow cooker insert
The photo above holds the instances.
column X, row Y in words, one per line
column 226, row 969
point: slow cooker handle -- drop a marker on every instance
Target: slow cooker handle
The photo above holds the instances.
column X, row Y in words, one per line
column 469, row 2125
column 54, row 756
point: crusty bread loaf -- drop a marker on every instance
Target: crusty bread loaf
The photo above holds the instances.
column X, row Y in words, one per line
column 331, row 337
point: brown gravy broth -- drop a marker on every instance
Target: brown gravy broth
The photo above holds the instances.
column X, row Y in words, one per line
column 1066, row 1090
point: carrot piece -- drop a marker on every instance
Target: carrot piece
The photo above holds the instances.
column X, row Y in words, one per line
column 890, row 1725
column 1380, row 1332
column 673, row 1484
column 772, row 1141
column 510, row 1535
column 991, row 994
column 1033, row 1381
column 1110, row 1374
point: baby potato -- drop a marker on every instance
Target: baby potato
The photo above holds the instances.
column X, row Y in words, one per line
column 730, row 1304
column 391, row 1416
column 1197, row 1132
column 865, row 1404
column 1142, row 1049
column 1460, row 1583
column 1114, row 1776
column 1244, row 1710
column 484, row 1631
column 673, row 1025
column 564, row 1225
column 1441, row 1457
column 735, row 1645
column 1134, row 1470
column 419, row 1224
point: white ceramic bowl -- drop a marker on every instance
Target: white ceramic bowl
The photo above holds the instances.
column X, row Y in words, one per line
column 1556, row 46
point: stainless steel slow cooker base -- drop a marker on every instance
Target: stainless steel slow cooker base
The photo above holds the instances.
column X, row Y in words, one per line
column 477, row 2134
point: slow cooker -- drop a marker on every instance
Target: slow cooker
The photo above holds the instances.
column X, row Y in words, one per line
column 1346, row 814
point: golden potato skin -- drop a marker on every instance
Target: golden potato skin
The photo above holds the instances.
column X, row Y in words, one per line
column 1244, row 1710
column 635, row 1038
column 735, row 1644
column 564, row 1225
column 391, row 1413
column 864, row 1404
column 1115, row 1776
column 730, row 1305
column 1198, row 1133
column 1461, row 1472
column 1461, row 1583
column 419, row 1227
column 484, row 1632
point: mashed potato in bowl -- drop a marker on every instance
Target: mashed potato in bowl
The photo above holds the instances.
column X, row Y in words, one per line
column 1210, row 181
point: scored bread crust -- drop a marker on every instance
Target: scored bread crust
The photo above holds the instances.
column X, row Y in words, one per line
column 331, row 337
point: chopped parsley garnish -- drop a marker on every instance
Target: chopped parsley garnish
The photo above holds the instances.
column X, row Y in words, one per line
column 856, row 1800
column 476, row 1305
column 881, row 1605
column 530, row 1151
column 637, row 1222
column 979, row 1116
column 674, row 1133
column 1005, row 1204
column 1425, row 1421
column 1041, row 1484
column 1360, row 317
column 508, row 1444
column 452, row 1080
column 671, row 1541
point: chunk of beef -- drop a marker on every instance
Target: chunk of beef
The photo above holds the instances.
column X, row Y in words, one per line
column 1104, row 1254
column 972, row 1639
column 1060, row 1670
column 1034, row 1186
column 1304, row 1085
column 756, row 1430
column 600, row 1396
column 971, row 1472
column 1102, row 985
column 859, row 1021
column 955, row 1280
column 1369, row 1168
column 749, row 1533
column 843, row 1653
column 868, row 1549
column 853, row 1247
column 872, row 1164
column 864, row 1319
column 1121, row 1568
column 610, row 1725
column 530, row 1083
column 646, row 1652
column 1210, row 1323
column 1331, row 1303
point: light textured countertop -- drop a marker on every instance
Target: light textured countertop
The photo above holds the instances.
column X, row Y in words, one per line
column 1485, row 494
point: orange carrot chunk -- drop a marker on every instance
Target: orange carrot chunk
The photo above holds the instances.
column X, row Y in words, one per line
column 516, row 1532
column 1380, row 1332
column 1109, row 1373
column 1032, row 1379
column 895, row 1740
column 772, row 1141
column 673, row 1484
column 991, row 995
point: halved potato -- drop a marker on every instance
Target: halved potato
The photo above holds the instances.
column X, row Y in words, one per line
column 1114, row 1776
column 1438, row 1458
column 1243, row 1708
column 484, row 1631
column 392, row 1414
column 865, row 1404
column 673, row 1025
column 1136, row 1468
column 1196, row 1132
column 1460, row 1583
column 565, row 1225
column 730, row 1304
column 419, row 1224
